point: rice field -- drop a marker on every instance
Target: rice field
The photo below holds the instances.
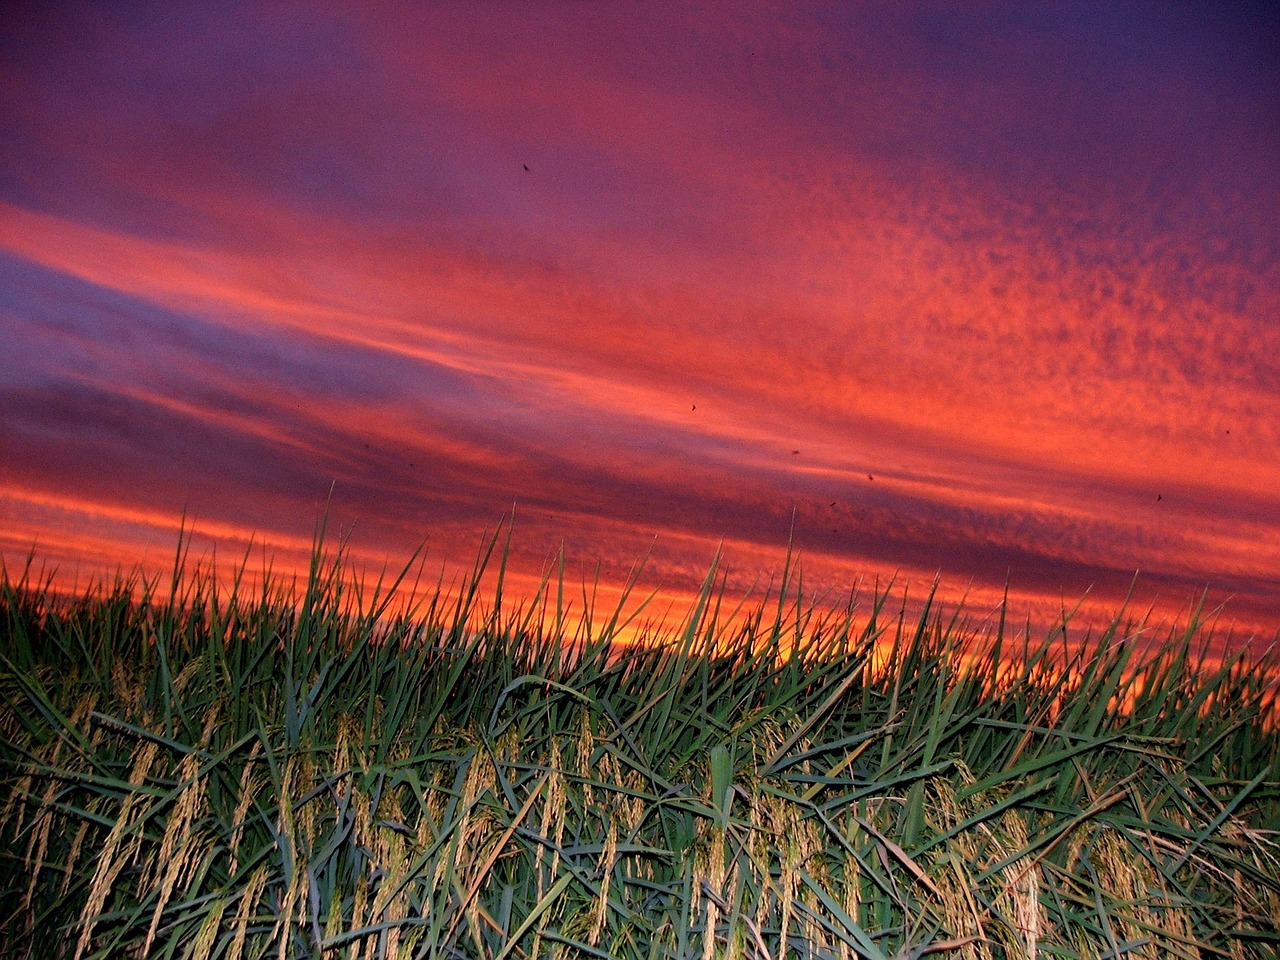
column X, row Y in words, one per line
column 204, row 769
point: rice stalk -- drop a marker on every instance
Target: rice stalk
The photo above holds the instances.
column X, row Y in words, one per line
column 266, row 773
column 121, row 847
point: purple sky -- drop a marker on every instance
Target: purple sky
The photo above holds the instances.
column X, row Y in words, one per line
column 985, row 291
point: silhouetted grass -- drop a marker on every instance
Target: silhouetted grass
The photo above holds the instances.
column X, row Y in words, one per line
column 211, row 771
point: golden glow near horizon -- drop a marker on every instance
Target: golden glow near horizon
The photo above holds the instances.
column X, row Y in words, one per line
column 911, row 287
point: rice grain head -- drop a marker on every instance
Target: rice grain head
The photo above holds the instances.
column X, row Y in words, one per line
column 608, row 857
column 249, row 784
column 116, row 852
column 207, row 935
column 246, row 910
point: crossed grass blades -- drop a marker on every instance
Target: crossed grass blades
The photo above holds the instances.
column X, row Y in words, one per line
column 224, row 771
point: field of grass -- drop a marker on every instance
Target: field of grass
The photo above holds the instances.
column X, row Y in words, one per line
column 201, row 769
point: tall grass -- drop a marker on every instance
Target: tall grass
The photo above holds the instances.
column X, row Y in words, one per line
column 219, row 771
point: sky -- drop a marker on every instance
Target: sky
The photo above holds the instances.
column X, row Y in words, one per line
column 986, row 294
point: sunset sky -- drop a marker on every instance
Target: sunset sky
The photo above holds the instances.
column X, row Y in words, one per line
column 981, row 291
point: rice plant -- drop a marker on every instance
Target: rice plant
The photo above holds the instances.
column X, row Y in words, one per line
column 213, row 770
